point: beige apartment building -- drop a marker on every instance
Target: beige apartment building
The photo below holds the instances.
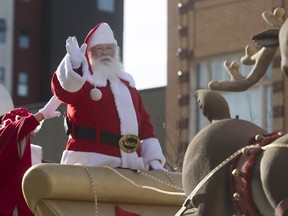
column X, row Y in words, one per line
column 202, row 34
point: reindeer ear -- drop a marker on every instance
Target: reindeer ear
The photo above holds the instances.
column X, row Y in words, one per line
column 267, row 38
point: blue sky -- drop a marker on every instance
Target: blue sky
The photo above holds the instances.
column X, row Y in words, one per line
column 145, row 42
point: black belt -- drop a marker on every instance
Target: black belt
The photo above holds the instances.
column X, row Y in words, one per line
column 89, row 134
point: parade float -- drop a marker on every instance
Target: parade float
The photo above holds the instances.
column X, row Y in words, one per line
column 247, row 177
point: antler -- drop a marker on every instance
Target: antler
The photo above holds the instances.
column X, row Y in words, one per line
column 238, row 82
column 260, row 59
column 274, row 19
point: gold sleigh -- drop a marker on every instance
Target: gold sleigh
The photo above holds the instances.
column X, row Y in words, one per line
column 60, row 190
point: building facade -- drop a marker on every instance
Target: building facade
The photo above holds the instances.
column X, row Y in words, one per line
column 202, row 34
column 33, row 34
column 6, row 42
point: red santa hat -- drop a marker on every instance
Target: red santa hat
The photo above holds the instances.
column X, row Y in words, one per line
column 6, row 101
column 100, row 34
column 14, row 115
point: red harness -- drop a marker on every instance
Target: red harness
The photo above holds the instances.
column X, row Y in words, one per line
column 241, row 171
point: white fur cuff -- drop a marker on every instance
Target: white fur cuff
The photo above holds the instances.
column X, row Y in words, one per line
column 151, row 150
column 68, row 78
column 131, row 161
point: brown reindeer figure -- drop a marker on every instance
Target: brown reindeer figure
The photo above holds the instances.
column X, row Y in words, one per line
column 232, row 166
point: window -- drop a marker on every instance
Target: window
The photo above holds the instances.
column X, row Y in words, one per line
column 2, row 74
column 22, row 89
column 2, row 30
column 106, row 5
column 24, row 37
column 254, row 104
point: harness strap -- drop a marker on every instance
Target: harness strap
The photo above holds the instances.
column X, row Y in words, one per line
column 188, row 203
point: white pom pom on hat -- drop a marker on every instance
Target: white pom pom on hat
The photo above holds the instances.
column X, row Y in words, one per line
column 100, row 34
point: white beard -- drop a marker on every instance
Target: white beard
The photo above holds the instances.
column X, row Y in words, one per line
column 107, row 68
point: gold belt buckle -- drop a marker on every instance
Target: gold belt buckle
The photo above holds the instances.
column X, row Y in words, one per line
column 129, row 143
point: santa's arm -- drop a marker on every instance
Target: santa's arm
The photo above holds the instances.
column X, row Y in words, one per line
column 151, row 151
column 28, row 124
column 69, row 79
column 68, row 71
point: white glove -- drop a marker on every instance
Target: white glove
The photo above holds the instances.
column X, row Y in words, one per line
column 75, row 53
column 49, row 110
column 156, row 165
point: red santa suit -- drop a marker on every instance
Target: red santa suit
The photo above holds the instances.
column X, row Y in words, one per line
column 15, row 159
column 98, row 124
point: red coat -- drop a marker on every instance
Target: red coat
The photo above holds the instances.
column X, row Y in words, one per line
column 101, row 115
column 113, row 108
column 13, row 167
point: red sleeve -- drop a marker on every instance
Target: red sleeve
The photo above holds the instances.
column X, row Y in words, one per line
column 62, row 94
column 146, row 129
column 29, row 125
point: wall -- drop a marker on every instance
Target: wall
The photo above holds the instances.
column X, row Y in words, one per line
column 199, row 29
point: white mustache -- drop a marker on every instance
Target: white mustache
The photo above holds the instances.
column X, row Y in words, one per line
column 106, row 59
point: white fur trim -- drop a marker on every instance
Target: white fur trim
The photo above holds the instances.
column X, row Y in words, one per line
column 68, row 78
column 102, row 35
column 36, row 154
column 94, row 159
column 151, row 150
column 127, row 77
column 132, row 161
column 125, row 108
column 128, row 121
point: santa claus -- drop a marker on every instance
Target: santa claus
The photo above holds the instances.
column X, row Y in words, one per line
column 108, row 124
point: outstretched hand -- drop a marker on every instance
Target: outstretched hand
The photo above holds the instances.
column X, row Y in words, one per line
column 49, row 110
column 76, row 53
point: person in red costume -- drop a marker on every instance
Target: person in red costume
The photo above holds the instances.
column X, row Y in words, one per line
column 18, row 154
column 109, row 125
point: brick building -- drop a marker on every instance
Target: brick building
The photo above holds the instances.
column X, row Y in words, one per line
column 202, row 34
column 33, row 35
column 32, row 44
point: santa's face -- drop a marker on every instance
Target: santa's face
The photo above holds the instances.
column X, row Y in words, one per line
column 104, row 60
column 103, row 51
